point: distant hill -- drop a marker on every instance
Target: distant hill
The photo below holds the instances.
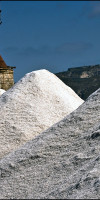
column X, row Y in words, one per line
column 83, row 80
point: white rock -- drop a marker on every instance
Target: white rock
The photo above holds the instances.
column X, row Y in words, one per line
column 2, row 91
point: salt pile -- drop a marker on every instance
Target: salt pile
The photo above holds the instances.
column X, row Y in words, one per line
column 2, row 91
column 35, row 103
column 61, row 163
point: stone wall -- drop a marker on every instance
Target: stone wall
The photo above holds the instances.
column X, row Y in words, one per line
column 6, row 78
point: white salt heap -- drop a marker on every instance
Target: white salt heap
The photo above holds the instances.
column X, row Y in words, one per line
column 2, row 91
column 32, row 105
column 62, row 162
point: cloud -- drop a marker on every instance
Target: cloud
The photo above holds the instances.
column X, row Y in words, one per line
column 47, row 50
column 11, row 49
column 95, row 10
column 37, row 51
column 85, row 10
column 90, row 10
column 66, row 48
column 29, row 50
column 73, row 48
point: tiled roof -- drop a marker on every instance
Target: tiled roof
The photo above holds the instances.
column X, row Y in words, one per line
column 2, row 63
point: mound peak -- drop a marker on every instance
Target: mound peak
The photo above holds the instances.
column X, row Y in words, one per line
column 32, row 105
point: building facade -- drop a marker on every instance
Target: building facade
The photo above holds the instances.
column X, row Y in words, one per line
column 6, row 75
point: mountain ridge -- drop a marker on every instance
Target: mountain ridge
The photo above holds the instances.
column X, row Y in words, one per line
column 83, row 80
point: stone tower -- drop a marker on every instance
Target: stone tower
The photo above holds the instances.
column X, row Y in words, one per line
column 6, row 75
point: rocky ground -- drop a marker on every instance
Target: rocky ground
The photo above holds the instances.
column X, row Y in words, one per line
column 62, row 162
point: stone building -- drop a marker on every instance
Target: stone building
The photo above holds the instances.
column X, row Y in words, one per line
column 6, row 75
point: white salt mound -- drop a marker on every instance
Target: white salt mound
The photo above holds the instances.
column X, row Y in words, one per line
column 32, row 105
column 62, row 162
column 2, row 91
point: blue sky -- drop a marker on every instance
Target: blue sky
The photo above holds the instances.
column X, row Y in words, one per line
column 52, row 35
